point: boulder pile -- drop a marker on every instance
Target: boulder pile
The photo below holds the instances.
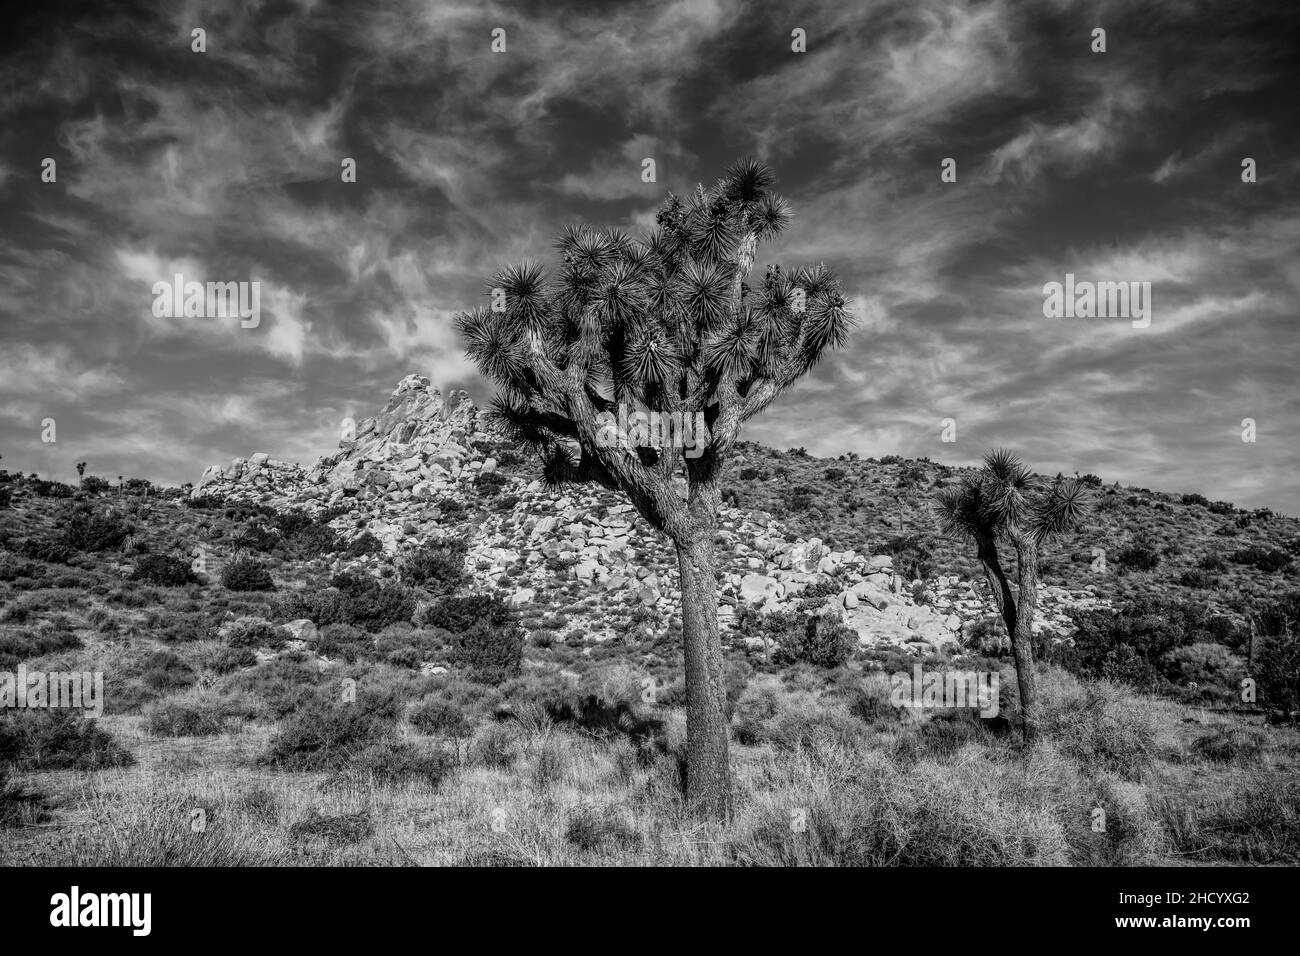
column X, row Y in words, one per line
column 408, row 476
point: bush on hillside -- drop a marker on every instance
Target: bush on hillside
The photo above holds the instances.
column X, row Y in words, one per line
column 344, row 642
column 363, row 544
column 1277, row 658
column 55, row 551
column 438, row 566
column 19, row 646
column 356, row 599
column 459, row 613
column 164, row 570
column 87, row 528
column 254, row 632
column 1138, row 555
column 489, row 653
column 199, row 714
column 57, row 739
column 1133, row 645
column 1268, row 560
column 247, row 574
column 328, row 734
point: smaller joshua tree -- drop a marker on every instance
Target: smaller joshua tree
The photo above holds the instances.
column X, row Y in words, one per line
column 1005, row 502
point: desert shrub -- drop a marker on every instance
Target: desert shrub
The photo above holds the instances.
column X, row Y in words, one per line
column 460, row 613
column 800, row 498
column 183, row 628
column 987, row 636
column 199, row 714
column 1132, row 645
column 227, row 660
column 433, row 715
column 364, row 543
column 344, row 641
column 55, row 551
column 246, row 574
column 305, row 536
column 284, row 684
column 750, row 474
column 57, row 739
column 164, row 671
column 22, row 646
column 601, row 711
column 766, row 713
column 1214, row 669
column 601, row 828
column 405, row 657
column 870, row 700
column 340, row 828
column 326, row 734
column 489, row 483
column 834, row 474
column 438, row 566
column 913, row 555
column 489, row 652
column 371, row 605
column 813, row 639
column 253, row 632
column 14, row 571
column 95, row 485
column 20, row 806
column 6, row 499
column 315, row 540
column 393, row 760
column 1277, row 656
column 1138, row 555
column 164, row 570
column 87, row 528
column 1197, row 578
column 1194, row 499
column 1101, row 726
column 356, row 599
column 1268, row 560
column 1277, row 672
column 426, row 643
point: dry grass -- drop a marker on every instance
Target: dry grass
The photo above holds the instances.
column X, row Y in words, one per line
column 534, row 793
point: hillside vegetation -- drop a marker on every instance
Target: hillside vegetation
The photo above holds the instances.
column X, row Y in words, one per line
column 326, row 691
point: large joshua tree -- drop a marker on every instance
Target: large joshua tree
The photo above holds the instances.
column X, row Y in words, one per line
column 665, row 323
column 1005, row 502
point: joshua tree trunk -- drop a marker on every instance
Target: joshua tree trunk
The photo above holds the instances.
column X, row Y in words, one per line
column 708, row 772
column 1018, row 616
column 1022, row 641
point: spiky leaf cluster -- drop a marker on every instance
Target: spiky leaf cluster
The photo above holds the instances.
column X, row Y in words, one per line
column 1004, row 499
column 664, row 321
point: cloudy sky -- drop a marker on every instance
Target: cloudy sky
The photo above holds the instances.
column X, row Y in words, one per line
column 225, row 166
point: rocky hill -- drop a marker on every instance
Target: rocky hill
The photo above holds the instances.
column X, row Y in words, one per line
column 408, row 474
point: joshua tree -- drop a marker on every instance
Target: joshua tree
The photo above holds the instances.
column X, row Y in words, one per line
column 668, row 324
column 81, row 469
column 1004, row 501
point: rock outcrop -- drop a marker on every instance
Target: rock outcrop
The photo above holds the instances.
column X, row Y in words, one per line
column 408, row 474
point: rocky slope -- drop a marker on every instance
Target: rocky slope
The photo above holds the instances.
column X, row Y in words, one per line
column 408, row 473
